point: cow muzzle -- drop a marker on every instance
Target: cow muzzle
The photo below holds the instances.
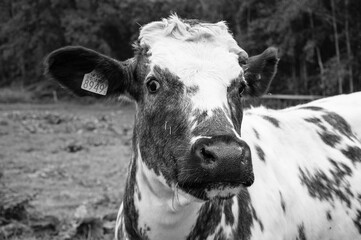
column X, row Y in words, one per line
column 216, row 164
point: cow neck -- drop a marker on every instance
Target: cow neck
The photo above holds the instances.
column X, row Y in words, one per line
column 159, row 210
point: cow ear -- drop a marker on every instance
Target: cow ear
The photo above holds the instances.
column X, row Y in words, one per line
column 88, row 73
column 259, row 72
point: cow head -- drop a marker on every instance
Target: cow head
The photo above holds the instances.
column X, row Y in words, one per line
column 188, row 79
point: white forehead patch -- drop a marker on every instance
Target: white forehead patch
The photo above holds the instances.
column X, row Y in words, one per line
column 203, row 55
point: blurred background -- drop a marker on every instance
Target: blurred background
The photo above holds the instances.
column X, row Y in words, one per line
column 63, row 160
column 319, row 40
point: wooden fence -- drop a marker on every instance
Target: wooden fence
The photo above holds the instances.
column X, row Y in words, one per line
column 278, row 101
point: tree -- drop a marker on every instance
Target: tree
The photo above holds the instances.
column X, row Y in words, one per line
column 318, row 39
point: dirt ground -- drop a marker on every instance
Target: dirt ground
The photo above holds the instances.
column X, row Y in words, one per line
column 62, row 169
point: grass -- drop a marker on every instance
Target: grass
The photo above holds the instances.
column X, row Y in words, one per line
column 66, row 157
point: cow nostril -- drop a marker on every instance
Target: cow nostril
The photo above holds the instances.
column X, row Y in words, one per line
column 206, row 155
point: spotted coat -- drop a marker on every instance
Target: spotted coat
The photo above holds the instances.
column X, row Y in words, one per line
column 202, row 168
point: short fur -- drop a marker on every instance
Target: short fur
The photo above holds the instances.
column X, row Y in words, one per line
column 194, row 149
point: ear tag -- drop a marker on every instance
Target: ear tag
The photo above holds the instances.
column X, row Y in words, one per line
column 94, row 82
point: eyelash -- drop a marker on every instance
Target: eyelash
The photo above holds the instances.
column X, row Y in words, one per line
column 242, row 88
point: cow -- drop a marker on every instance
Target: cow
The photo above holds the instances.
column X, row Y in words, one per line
column 202, row 168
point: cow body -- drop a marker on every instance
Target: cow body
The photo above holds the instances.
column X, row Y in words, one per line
column 202, row 168
column 307, row 164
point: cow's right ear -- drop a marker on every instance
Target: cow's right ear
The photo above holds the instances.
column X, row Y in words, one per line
column 88, row 73
column 259, row 72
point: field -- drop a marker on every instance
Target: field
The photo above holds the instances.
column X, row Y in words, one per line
column 62, row 169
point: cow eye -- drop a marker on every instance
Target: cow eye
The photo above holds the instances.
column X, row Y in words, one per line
column 242, row 88
column 153, row 85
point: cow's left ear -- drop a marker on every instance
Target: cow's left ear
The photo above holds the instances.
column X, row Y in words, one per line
column 89, row 73
column 259, row 72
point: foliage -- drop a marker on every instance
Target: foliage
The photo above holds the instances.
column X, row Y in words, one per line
column 303, row 30
column 11, row 95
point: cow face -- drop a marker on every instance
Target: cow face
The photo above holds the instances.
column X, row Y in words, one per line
column 187, row 79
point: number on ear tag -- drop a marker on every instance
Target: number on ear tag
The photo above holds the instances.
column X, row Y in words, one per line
column 94, row 82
